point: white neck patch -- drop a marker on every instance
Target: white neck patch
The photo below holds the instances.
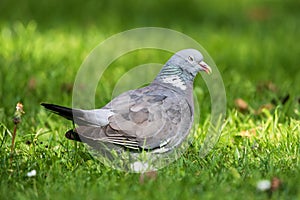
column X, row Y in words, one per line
column 175, row 81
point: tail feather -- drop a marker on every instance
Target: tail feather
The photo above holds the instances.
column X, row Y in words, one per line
column 60, row 110
column 80, row 117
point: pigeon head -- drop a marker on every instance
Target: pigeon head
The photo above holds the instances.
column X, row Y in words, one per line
column 190, row 61
column 182, row 68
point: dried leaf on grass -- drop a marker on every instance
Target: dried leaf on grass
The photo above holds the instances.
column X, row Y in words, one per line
column 241, row 105
column 268, row 106
column 151, row 175
column 275, row 184
column 248, row 133
column 268, row 85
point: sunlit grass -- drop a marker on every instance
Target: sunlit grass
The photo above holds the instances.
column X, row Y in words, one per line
column 254, row 57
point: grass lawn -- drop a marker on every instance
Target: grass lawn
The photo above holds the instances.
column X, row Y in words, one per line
column 255, row 45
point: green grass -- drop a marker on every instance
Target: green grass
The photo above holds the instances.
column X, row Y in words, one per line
column 252, row 43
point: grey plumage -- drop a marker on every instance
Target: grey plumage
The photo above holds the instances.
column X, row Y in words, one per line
column 155, row 118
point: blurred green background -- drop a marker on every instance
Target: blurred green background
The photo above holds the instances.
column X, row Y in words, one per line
column 254, row 43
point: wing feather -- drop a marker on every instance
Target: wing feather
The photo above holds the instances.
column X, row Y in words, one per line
column 146, row 118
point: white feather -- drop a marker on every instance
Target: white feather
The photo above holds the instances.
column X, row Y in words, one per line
column 98, row 117
column 175, row 81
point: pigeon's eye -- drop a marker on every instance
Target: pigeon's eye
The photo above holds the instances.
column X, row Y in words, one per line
column 191, row 58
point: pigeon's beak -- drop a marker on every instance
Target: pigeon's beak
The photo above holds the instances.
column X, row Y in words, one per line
column 205, row 67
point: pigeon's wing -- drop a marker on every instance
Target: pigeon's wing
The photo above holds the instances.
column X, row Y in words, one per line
column 146, row 118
